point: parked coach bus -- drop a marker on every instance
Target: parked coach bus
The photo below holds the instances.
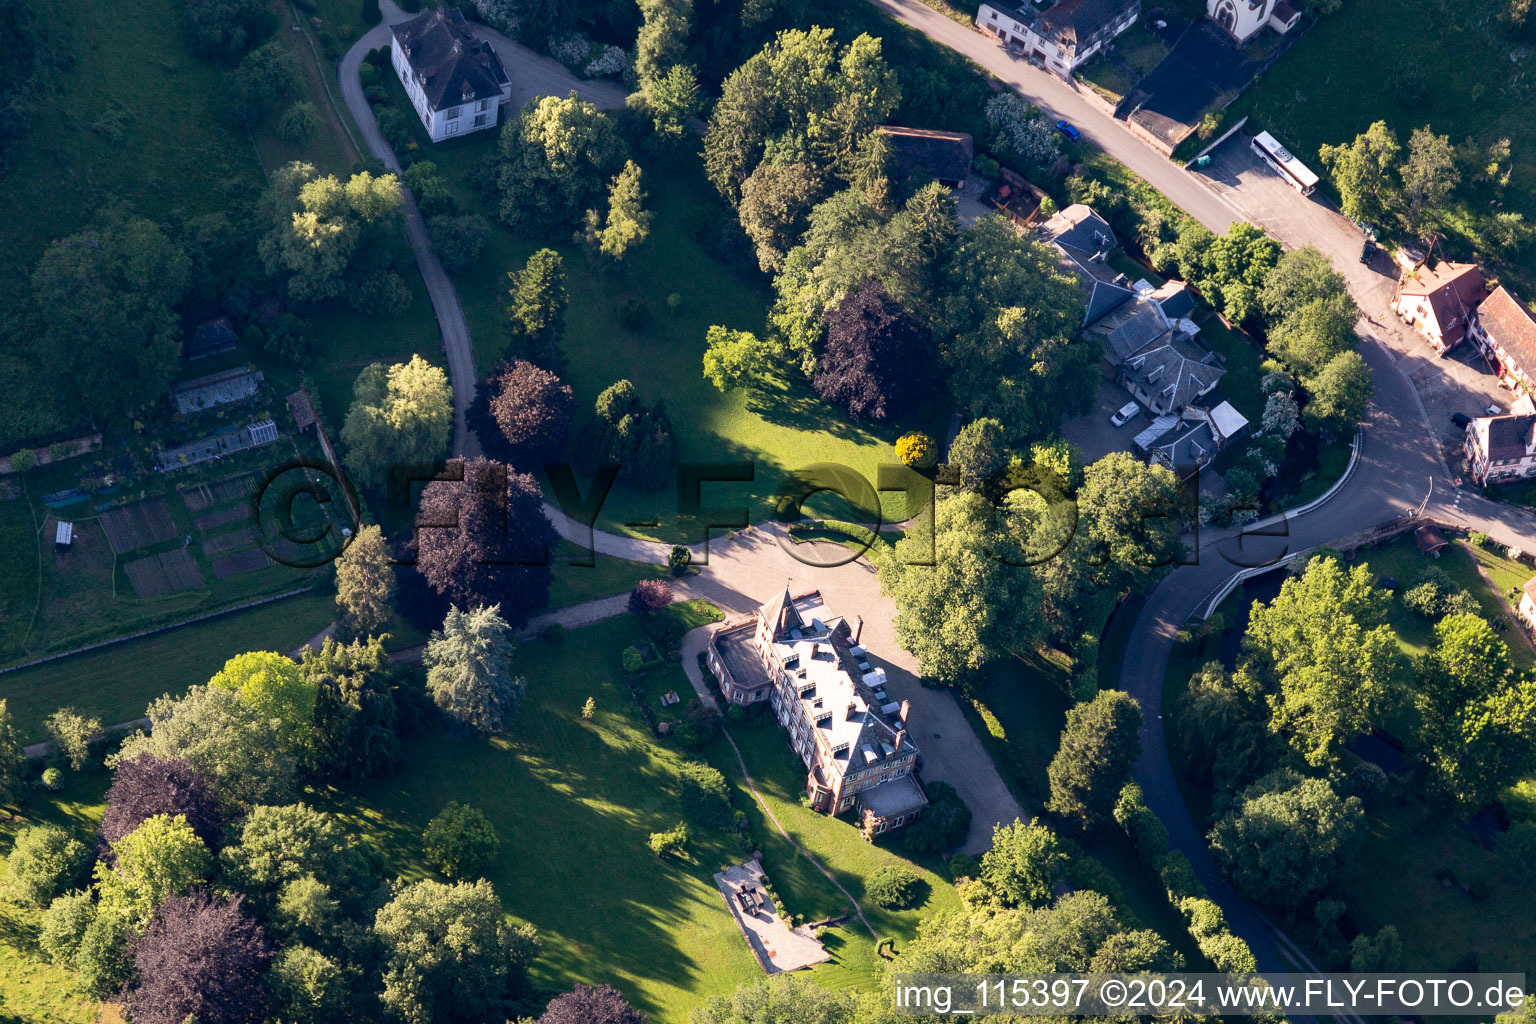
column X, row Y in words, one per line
column 1287, row 166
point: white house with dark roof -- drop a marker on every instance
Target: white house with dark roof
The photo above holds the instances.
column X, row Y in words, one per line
column 806, row 663
column 1244, row 19
column 1502, row 448
column 1064, row 36
column 455, row 81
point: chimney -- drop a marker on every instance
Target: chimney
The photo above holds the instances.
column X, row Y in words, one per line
column 901, row 741
column 906, row 709
column 853, row 706
column 860, row 630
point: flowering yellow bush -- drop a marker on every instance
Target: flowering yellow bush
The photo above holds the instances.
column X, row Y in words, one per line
column 916, row 450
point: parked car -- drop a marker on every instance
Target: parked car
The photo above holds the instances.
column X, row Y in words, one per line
column 1124, row 414
column 1461, row 419
column 1494, row 410
column 1368, row 251
column 1069, row 130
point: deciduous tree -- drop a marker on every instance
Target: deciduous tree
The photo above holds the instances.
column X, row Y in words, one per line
column 225, row 29
column 876, row 357
column 44, row 860
column 105, row 301
column 588, row 1004
column 73, row 733
column 1324, row 656
column 449, row 954
column 1287, row 838
column 222, row 736
column 401, row 416
column 161, row 858
column 460, row 841
column 969, row 607
column 485, row 538
column 1009, row 332
column 1099, row 746
column 776, row 202
column 554, row 159
column 532, row 409
column 202, row 959
column 782, row 999
column 144, row 786
column 273, row 686
column 1363, row 172
column 1430, row 175
column 1022, row 866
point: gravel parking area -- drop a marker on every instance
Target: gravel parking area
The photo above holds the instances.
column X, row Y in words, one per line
column 1459, row 382
column 1093, row 434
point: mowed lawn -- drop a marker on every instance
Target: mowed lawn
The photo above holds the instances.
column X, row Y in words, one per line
column 118, row 682
column 837, row 845
column 31, row 989
column 780, row 432
column 574, row 803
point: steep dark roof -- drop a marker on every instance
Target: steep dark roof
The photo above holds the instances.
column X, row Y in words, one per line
column 1504, row 319
column 1083, row 238
column 450, row 64
column 211, row 338
column 1509, row 437
column 944, row 156
column 1076, row 22
column 1173, row 371
column 1429, row 538
column 1454, row 291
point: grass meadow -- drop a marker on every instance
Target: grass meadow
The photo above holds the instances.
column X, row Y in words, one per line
column 574, row 802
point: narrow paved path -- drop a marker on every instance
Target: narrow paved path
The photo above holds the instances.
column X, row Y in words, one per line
column 532, row 75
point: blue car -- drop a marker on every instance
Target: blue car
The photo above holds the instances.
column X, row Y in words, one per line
column 1069, row 130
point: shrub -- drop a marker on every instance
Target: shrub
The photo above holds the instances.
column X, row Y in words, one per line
column 674, row 304
column 631, row 660
column 634, row 314
column 943, row 825
column 23, row 460
column 892, row 887
column 554, row 633
column 1146, row 831
column 1478, row 539
column 460, row 842
column 458, row 241
column 987, row 167
column 916, row 450
column 1425, row 599
column 679, row 559
column 963, row 865
column 376, row 96
column 371, row 13
column 1178, row 877
column 367, row 73
column 703, row 794
column 53, row 779
column 650, row 596
column 44, row 861
column 300, row 123
column 699, row 727
column 673, row 840
column 1517, row 847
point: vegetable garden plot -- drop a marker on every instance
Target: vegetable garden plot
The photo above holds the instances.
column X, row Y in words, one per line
column 225, row 542
column 240, row 562
column 164, row 573
column 226, row 515
column 139, row 525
